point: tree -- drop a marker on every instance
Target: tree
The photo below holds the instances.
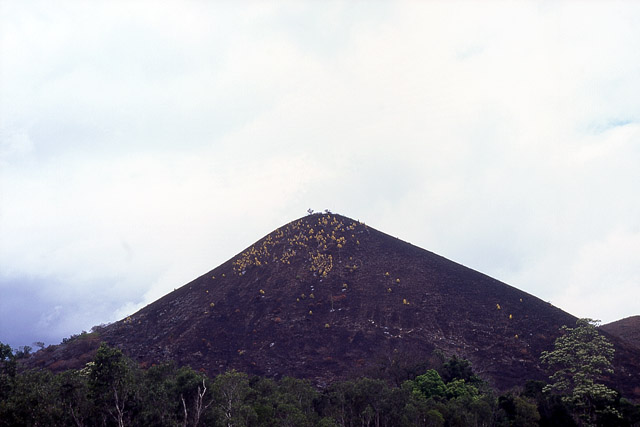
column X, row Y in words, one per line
column 161, row 405
column 459, row 369
column 7, row 379
column 33, row 400
column 430, row 384
column 231, row 389
column 72, row 396
column 517, row 410
column 7, row 370
column 23, row 352
column 293, row 402
column 192, row 388
column 112, row 383
column 581, row 357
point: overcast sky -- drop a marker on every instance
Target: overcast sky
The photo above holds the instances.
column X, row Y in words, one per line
column 144, row 143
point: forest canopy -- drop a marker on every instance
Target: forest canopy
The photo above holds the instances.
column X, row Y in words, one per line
column 112, row 390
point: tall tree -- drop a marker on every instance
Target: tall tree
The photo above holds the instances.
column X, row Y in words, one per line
column 7, row 369
column 194, row 391
column 7, row 380
column 231, row 389
column 581, row 357
column 72, row 396
column 430, row 384
column 112, row 383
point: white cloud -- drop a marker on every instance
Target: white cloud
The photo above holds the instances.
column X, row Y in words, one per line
column 15, row 144
column 604, row 277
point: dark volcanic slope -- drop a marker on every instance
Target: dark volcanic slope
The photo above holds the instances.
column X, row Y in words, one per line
column 326, row 297
column 627, row 329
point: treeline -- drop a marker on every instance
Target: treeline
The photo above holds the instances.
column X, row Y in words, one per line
column 113, row 391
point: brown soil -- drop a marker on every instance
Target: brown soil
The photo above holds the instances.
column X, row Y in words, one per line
column 325, row 298
column 627, row 329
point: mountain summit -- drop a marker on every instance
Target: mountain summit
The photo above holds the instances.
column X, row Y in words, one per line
column 326, row 297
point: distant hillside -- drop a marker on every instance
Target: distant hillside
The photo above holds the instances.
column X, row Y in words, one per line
column 627, row 329
column 326, row 297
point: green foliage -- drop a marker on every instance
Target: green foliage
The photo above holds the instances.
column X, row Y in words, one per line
column 458, row 388
column 580, row 358
column 458, row 401
column 73, row 396
column 434, row 418
column 111, row 384
column 553, row 411
column 23, row 352
column 430, row 384
column 161, row 405
column 7, row 371
column 231, row 390
column 34, row 399
column 517, row 410
column 458, row 369
column 293, row 402
column 365, row 401
column 112, row 391
column 171, row 395
column 5, row 352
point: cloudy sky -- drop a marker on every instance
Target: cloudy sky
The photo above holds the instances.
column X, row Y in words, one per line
column 144, row 143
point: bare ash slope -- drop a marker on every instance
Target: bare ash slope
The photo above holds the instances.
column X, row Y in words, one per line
column 628, row 329
column 325, row 297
